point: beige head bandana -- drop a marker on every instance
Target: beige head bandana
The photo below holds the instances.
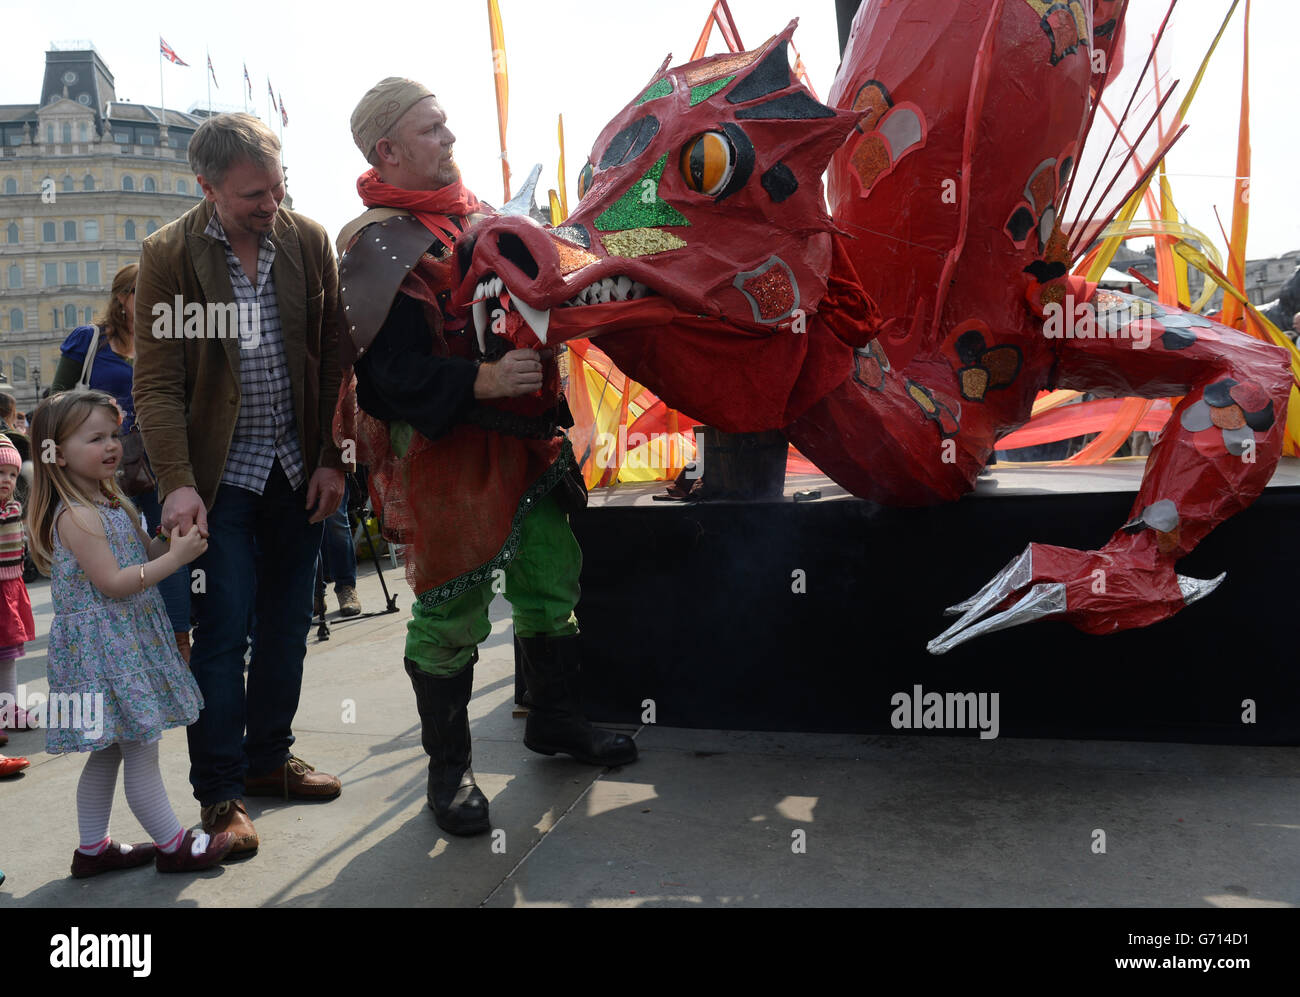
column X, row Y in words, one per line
column 380, row 109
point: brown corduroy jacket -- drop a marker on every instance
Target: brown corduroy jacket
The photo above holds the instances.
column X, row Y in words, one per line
column 186, row 387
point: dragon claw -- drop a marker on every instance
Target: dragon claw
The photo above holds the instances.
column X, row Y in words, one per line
column 1047, row 599
column 1088, row 588
column 1017, row 573
column 1198, row 588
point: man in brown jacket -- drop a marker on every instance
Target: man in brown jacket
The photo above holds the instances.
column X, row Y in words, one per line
column 235, row 382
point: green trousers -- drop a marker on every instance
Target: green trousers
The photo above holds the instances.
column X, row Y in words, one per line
column 541, row 584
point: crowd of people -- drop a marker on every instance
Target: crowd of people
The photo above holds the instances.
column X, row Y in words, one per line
column 187, row 496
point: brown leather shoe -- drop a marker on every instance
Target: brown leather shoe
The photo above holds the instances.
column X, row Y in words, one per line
column 294, row 780
column 230, row 815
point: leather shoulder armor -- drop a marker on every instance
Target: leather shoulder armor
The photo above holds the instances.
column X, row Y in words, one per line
column 372, row 268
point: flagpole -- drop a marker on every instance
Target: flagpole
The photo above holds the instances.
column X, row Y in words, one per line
column 208, row 55
column 245, row 87
column 162, row 96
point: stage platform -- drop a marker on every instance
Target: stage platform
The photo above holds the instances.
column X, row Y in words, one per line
column 698, row 607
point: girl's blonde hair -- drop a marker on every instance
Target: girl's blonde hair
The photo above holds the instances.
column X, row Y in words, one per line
column 55, row 419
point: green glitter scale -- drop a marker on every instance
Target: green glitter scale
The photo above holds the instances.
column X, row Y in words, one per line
column 706, row 90
column 661, row 89
column 632, row 210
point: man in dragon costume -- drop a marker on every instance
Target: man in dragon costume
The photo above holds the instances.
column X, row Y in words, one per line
column 467, row 462
column 896, row 340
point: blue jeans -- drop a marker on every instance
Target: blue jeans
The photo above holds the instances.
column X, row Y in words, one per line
column 338, row 556
column 175, row 588
column 258, row 572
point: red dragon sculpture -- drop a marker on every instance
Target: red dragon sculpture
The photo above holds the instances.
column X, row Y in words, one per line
column 895, row 340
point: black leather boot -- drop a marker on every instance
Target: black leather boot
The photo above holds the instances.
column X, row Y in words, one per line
column 458, row 805
column 555, row 720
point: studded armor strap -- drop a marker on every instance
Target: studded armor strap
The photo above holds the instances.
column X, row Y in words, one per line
column 385, row 245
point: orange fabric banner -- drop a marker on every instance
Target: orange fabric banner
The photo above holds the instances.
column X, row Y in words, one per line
column 1232, row 310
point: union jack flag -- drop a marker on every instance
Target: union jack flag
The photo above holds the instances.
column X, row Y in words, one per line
column 169, row 53
column 248, row 81
column 284, row 115
column 214, row 74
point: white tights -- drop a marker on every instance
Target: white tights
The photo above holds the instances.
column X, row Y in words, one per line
column 145, row 793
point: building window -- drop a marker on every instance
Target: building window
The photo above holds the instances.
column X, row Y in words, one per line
column 83, row 131
column 92, row 272
column 122, row 136
column 69, row 273
column 11, row 233
column 15, row 320
column 68, row 185
column 147, row 138
column 149, row 186
column 151, row 228
column 182, row 187
column 90, row 229
column 67, row 133
column 20, row 368
column 128, row 183
column 49, row 133
column 86, row 316
column 47, row 232
column 56, row 316
column 11, row 185
column 88, row 183
column 15, row 276
column 51, row 272
column 70, row 316
column 69, row 231
column 129, row 230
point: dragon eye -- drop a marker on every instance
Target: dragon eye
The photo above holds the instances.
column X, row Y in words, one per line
column 708, row 162
column 584, row 181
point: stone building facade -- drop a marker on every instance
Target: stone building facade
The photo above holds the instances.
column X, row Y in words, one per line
column 84, row 178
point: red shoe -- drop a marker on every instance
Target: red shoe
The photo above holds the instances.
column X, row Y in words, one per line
column 12, row 766
column 112, row 858
column 186, row 859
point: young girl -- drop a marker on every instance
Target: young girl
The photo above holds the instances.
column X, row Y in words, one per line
column 110, row 643
column 16, row 624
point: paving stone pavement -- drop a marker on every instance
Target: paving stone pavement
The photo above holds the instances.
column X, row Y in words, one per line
column 704, row 818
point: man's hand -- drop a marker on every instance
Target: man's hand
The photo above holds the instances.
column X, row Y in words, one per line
column 517, row 373
column 184, row 509
column 324, row 493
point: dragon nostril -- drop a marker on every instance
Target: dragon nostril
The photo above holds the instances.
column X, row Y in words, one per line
column 513, row 249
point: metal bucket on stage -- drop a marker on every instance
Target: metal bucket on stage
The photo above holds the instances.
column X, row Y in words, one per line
column 741, row 465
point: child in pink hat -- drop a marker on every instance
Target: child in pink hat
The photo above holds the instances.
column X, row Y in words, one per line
column 16, row 624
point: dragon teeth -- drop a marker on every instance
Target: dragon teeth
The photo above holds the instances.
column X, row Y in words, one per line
column 539, row 320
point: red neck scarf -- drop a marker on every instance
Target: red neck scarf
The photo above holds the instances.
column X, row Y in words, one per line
column 434, row 208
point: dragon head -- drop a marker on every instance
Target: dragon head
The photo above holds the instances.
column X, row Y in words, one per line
column 703, row 197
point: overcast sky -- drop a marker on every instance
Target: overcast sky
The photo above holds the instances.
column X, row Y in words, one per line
column 587, row 60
